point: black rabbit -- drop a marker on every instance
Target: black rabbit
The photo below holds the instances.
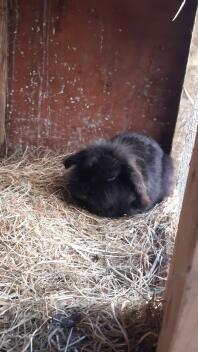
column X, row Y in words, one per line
column 125, row 175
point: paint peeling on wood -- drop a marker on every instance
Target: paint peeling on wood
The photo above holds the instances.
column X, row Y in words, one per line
column 83, row 69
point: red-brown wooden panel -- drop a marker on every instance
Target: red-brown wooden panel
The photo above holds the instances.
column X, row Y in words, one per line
column 80, row 69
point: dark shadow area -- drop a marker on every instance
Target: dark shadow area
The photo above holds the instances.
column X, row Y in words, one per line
column 101, row 328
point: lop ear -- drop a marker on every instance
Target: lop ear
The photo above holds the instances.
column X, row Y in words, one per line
column 74, row 159
column 138, row 181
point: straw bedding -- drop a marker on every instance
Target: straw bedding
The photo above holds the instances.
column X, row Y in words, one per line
column 71, row 281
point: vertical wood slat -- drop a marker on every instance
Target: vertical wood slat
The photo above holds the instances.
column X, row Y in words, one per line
column 3, row 67
column 187, row 119
column 179, row 328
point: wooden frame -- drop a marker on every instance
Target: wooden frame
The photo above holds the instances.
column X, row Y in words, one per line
column 186, row 124
column 179, row 330
column 180, row 323
column 3, row 67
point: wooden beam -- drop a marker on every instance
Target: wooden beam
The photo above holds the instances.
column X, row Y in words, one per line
column 180, row 325
column 187, row 120
column 3, row 67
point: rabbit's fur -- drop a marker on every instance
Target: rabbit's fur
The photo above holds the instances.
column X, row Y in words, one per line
column 125, row 175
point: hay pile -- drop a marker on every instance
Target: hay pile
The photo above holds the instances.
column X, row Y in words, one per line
column 71, row 281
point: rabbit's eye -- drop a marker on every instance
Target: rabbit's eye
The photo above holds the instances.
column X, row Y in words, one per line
column 133, row 203
column 112, row 178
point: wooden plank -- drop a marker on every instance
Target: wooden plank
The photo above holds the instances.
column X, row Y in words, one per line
column 179, row 329
column 3, row 67
column 187, row 120
column 128, row 76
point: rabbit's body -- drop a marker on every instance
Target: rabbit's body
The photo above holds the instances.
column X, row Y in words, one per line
column 123, row 176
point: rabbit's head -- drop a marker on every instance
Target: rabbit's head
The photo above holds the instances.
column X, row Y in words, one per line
column 105, row 183
column 97, row 164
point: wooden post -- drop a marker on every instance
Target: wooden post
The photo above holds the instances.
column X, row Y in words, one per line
column 180, row 325
column 187, row 120
column 3, row 67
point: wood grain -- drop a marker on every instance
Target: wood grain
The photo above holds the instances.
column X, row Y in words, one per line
column 3, row 67
column 186, row 126
column 85, row 69
column 179, row 330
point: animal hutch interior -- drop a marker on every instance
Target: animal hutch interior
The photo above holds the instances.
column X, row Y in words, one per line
column 72, row 71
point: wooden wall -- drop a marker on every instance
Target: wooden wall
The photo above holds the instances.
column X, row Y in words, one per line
column 80, row 69
column 3, row 68
column 187, row 118
column 179, row 329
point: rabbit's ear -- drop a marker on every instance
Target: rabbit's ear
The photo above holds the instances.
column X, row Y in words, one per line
column 74, row 159
column 139, row 184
